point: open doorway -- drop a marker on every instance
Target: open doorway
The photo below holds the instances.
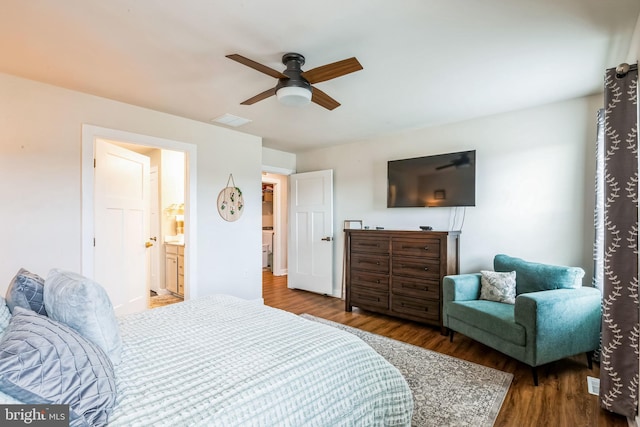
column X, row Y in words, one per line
column 165, row 248
column 170, row 219
column 274, row 224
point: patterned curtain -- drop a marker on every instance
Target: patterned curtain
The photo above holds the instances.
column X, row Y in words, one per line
column 598, row 217
column 598, row 244
column 620, row 319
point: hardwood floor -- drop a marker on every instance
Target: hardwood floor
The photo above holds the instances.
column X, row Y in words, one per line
column 561, row 399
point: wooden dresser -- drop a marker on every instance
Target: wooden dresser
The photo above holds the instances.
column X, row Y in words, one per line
column 399, row 273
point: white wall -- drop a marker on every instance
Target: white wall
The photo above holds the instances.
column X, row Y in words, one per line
column 277, row 161
column 535, row 171
column 40, row 183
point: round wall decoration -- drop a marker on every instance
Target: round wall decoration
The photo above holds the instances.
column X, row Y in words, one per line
column 230, row 201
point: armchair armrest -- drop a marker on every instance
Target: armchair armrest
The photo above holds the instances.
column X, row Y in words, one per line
column 461, row 287
column 559, row 322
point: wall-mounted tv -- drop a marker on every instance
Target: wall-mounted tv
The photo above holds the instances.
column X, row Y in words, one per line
column 432, row 181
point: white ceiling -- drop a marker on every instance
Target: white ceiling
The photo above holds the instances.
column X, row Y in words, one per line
column 426, row 62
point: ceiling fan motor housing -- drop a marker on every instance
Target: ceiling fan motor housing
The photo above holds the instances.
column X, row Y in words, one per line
column 295, row 90
column 294, row 63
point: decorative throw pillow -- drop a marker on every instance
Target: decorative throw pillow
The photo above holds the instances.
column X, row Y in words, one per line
column 497, row 286
column 26, row 291
column 43, row 361
column 83, row 305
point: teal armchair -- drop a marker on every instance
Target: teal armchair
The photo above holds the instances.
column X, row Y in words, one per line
column 553, row 317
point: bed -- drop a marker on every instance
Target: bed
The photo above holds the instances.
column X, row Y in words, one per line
column 224, row 361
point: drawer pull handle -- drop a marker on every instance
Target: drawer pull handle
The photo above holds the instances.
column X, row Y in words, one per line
column 426, row 269
column 378, row 281
column 415, row 307
column 410, row 286
column 426, row 248
column 377, row 262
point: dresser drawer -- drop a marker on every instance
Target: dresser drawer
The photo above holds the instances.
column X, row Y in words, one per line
column 370, row 262
column 424, row 247
column 365, row 297
column 422, row 309
column 418, row 288
column 370, row 280
column 374, row 245
column 416, row 267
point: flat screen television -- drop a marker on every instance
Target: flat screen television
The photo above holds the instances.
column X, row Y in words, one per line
column 432, row 181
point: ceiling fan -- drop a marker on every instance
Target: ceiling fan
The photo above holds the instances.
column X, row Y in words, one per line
column 294, row 85
column 462, row 160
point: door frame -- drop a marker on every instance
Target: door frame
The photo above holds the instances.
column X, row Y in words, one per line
column 89, row 135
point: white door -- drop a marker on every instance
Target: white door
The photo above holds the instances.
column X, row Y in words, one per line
column 311, row 232
column 121, row 225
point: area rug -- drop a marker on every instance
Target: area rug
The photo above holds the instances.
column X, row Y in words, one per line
column 446, row 391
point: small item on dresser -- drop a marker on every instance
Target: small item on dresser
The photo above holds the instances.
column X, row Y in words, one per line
column 379, row 228
column 426, row 228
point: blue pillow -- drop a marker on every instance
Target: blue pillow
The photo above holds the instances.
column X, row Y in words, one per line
column 83, row 305
column 26, row 291
column 43, row 361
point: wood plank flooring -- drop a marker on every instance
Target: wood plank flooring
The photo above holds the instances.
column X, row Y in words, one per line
column 162, row 300
column 561, row 399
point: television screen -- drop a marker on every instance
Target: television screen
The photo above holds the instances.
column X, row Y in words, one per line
column 432, row 181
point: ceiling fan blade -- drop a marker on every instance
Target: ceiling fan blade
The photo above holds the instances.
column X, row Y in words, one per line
column 259, row 97
column 323, row 100
column 331, row 71
column 257, row 66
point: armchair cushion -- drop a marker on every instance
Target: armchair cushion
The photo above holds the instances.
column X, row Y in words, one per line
column 493, row 317
column 533, row 277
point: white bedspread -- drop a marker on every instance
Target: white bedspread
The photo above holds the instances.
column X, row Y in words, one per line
column 223, row 361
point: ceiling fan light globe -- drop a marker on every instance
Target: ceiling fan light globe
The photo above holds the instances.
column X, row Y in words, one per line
column 293, row 96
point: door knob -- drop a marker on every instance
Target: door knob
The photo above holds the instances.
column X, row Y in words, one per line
column 148, row 244
column 327, row 239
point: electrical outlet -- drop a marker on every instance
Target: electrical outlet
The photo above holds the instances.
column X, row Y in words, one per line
column 593, row 385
